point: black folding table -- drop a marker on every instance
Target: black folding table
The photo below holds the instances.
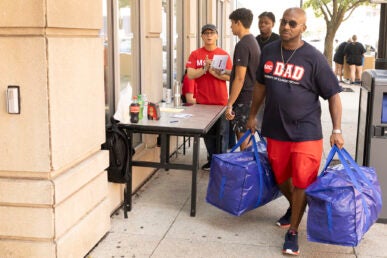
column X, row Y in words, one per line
column 199, row 120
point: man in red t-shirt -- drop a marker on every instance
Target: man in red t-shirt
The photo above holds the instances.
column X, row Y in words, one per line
column 211, row 88
column 188, row 89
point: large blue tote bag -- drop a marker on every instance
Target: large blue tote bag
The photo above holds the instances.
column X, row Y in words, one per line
column 344, row 202
column 241, row 181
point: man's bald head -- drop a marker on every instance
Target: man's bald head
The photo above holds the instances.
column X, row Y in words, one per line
column 298, row 12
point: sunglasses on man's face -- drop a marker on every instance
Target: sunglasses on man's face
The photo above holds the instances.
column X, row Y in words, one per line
column 291, row 23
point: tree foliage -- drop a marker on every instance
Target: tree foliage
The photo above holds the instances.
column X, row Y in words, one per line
column 334, row 13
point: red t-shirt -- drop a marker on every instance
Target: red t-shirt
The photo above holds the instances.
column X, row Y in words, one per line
column 209, row 89
column 189, row 86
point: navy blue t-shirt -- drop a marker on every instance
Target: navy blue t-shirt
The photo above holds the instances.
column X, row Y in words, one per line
column 247, row 54
column 293, row 87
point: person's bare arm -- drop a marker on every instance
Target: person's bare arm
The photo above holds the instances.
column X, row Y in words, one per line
column 193, row 73
column 335, row 109
column 218, row 74
column 237, row 85
column 190, row 98
column 259, row 94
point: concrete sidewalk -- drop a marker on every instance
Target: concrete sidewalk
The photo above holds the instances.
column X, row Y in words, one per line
column 160, row 226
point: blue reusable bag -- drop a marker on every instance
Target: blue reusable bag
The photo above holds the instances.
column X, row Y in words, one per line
column 241, row 181
column 344, row 202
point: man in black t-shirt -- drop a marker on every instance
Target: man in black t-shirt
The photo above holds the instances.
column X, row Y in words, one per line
column 266, row 21
column 242, row 79
column 293, row 75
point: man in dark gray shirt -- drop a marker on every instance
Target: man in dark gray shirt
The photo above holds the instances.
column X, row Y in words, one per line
column 245, row 63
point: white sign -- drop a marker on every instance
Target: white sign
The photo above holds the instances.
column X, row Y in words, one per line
column 219, row 62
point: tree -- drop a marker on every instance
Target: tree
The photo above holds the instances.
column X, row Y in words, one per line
column 334, row 12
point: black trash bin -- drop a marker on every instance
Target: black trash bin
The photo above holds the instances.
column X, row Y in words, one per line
column 371, row 142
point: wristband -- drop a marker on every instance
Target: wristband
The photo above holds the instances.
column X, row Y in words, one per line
column 336, row 131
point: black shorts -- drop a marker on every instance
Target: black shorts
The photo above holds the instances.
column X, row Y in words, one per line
column 239, row 122
column 338, row 59
column 355, row 60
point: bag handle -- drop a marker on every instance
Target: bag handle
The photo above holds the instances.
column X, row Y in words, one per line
column 346, row 158
column 241, row 140
column 330, row 156
column 244, row 137
column 359, row 171
column 261, row 137
column 343, row 161
column 260, row 168
column 349, row 171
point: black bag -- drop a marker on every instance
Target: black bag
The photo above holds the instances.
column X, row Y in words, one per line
column 118, row 145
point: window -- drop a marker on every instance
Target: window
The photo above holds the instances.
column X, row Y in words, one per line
column 108, row 84
column 126, row 36
column 165, row 37
column 172, row 41
column 120, row 33
column 220, row 20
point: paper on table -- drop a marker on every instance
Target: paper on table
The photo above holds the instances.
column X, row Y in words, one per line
column 171, row 110
column 183, row 115
column 219, row 62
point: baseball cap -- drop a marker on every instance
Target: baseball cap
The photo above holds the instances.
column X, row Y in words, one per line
column 209, row 27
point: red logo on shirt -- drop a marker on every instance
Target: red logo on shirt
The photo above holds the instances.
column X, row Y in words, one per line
column 268, row 67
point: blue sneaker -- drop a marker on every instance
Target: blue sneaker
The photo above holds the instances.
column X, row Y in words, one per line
column 291, row 243
column 284, row 221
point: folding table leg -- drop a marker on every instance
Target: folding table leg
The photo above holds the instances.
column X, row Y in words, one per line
column 195, row 168
column 184, row 145
column 128, row 188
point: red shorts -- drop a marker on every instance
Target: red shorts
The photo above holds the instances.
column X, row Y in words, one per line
column 297, row 160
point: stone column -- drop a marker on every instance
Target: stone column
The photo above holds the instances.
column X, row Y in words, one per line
column 53, row 187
